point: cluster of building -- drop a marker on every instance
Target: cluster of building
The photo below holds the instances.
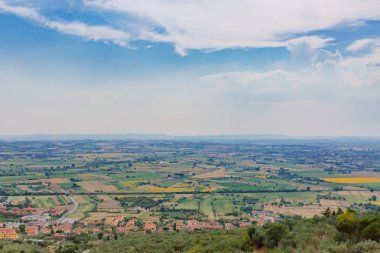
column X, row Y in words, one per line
column 8, row 233
column 38, row 221
column 262, row 217
column 33, row 213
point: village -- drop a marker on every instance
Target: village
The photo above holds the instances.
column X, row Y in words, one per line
column 51, row 223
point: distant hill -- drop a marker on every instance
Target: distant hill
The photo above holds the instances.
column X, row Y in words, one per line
column 132, row 136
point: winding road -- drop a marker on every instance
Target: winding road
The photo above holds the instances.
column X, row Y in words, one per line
column 73, row 210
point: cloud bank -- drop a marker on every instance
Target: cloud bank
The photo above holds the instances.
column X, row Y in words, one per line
column 211, row 25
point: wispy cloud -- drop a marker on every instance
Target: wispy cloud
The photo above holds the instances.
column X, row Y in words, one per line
column 212, row 25
column 90, row 32
column 361, row 44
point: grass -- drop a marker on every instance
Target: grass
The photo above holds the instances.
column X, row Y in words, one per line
column 222, row 206
column 188, row 204
column 43, row 201
column 83, row 209
column 206, row 207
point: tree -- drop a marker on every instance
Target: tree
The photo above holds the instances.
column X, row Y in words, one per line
column 372, row 231
column 22, row 228
column 339, row 211
column 347, row 222
column 256, row 237
column 251, row 231
column 275, row 233
column 367, row 246
column 327, row 212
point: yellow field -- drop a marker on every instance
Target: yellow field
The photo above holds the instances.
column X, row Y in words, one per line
column 171, row 189
column 262, row 177
column 351, row 180
column 132, row 183
column 209, row 189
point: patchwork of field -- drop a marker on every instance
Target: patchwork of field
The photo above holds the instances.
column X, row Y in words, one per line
column 96, row 186
column 305, row 211
column 221, row 173
column 191, row 179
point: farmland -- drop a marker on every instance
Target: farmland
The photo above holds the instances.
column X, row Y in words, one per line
column 191, row 179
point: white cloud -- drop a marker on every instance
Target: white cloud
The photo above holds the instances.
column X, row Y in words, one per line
column 90, row 32
column 213, row 25
column 325, row 59
column 335, row 95
column 361, row 44
column 312, row 43
column 329, row 77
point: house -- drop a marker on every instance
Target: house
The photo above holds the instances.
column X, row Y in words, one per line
column 244, row 224
column 65, row 228
column 55, row 211
column 228, row 226
column 45, row 230
column 113, row 220
column 150, row 226
column 79, row 231
column 95, row 230
column 8, row 233
column 59, row 236
column 192, row 224
column 180, row 225
column 211, row 225
column 131, row 224
column 31, row 230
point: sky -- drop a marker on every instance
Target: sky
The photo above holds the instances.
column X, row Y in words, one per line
column 194, row 67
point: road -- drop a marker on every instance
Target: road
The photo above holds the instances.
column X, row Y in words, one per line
column 73, row 210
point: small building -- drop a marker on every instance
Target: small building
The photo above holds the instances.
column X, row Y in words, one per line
column 59, row 236
column 244, row 224
column 45, row 230
column 8, row 233
column 65, row 228
column 150, row 226
column 229, row 226
column 31, row 230
column 131, row 224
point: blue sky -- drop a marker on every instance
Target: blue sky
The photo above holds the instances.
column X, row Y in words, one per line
column 190, row 67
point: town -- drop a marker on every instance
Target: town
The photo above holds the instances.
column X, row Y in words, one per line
column 51, row 224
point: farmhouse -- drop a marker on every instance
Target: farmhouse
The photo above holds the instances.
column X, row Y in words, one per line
column 113, row 220
column 45, row 230
column 150, row 226
column 31, row 230
column 65, row 228
column 8, row 233
column 131, row 224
